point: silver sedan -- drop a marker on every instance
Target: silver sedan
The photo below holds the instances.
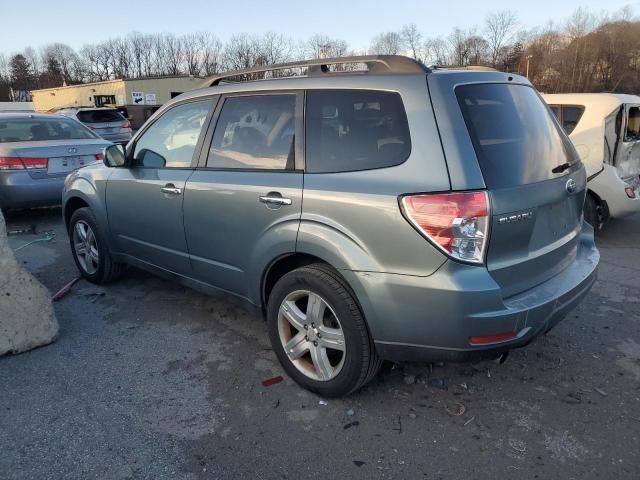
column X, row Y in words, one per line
column 37, row 151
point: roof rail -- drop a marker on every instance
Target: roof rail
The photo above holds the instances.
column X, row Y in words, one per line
column 375, row 64
column 464, row 67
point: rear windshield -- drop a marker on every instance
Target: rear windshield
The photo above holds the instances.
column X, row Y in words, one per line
column 515, row 137
column 100, row 116
column 38, row 129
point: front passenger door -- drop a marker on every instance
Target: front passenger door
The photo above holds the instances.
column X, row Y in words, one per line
column 144, row 200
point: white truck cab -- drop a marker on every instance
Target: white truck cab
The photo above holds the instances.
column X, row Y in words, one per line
column 605, row 129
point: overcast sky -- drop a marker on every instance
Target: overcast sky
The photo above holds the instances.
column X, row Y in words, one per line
column 37, row 22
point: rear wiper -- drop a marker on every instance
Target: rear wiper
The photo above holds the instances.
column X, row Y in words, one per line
column 561, row 168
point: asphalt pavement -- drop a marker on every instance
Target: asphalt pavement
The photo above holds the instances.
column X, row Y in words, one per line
column 150, row 380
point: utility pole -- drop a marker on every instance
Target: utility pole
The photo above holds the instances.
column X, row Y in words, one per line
column 528, row 59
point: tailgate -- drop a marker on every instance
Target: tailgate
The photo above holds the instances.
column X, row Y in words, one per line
column 534, row 232
column 535, row 180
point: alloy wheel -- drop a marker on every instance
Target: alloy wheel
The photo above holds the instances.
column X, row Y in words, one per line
column 311, row 335
column 86, row 247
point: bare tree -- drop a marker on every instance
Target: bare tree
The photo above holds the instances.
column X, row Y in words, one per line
column 412, row 40
column 34, row 60
column 275, row 48
column 192, row 48
column 69, row 61
column 322, row 46
column 136, row 42
column 242, row 51
column 212, row 54
column 586, row 52
column 387, row 43
column 460, row 46
column 173, row 53
column 436, row 51
column 499, row 27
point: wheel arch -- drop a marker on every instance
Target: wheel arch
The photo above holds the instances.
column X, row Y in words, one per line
column 73, row 204
column 82, row 193
column 279, row 267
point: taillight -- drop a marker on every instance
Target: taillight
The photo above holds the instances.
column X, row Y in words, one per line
column 18, row 163
column 99, row 157
column 35, row 163
column 631, row 193
column 11, row 163
column 457, row 223
column 126, row 125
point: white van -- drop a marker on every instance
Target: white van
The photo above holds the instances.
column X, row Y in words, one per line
column 605, row 129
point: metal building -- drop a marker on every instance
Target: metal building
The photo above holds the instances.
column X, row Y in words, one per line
column 139, row 97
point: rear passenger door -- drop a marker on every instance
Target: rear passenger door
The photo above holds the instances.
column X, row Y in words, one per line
column 242, row 205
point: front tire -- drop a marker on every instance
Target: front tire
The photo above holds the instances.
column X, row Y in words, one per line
column 318, row 332
column 89, row 249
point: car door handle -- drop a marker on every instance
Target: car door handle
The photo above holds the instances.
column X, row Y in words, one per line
column 275, row 200
column 170, row 189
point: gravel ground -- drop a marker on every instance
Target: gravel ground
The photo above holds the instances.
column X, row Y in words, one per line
column 149, row 380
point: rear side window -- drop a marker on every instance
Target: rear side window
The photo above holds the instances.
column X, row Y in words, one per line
column 100, row 116
column 355, row 130
column 255, row 132
column 571, row 115
column 568, row 116
column 515, row 138
column 633, row 125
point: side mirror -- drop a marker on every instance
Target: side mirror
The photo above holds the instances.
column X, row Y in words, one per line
column 114, row 156
column 150, row 159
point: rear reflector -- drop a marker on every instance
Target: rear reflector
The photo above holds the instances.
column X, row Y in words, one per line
column 457, row 223
column 499, row 337
column 18, row 163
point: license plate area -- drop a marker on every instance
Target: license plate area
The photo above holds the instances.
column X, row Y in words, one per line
column 68, row 164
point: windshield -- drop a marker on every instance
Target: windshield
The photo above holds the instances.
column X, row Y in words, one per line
column 100, row 116
column 515, row 137
column 39, row 129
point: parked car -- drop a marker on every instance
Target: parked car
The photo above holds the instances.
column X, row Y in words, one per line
column 37, row 151
column 399, row 213
column 108, row 123
column 605, row 129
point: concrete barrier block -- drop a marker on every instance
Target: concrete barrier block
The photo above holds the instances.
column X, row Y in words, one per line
column 27, row 318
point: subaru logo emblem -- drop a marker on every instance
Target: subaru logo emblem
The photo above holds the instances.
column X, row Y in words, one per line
column 571, row 186
column 72, row 150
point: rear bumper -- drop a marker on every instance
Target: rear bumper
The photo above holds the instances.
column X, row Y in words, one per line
column 19, row 190
column 611, row 188
column 431, row 318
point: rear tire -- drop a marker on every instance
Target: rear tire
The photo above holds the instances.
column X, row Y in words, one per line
column 89, row 249
column 329, row 351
